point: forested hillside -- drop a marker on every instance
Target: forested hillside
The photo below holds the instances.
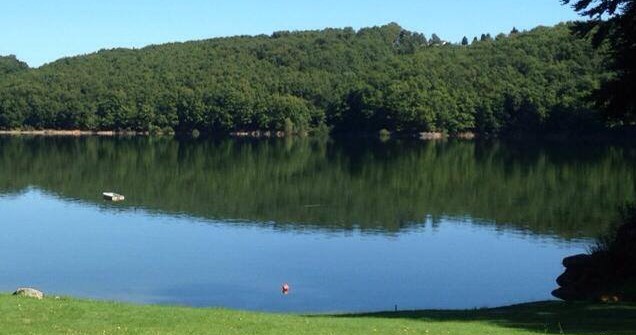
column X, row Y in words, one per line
column 341, row 79
column 10, row 64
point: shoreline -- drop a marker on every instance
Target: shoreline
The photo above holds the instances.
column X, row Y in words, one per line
column 65, row 315
column 53, row 296
column 233, row 134
column 620, row 135
column 74, row 132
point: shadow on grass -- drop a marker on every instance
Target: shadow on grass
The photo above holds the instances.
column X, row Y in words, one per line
column 542, row 317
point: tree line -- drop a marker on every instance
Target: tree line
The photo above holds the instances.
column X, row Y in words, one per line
column 340, row 80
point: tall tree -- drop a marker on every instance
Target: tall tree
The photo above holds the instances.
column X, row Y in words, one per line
column 485, row 37
column 465, row 40
column 435, row 40
column 614, row 21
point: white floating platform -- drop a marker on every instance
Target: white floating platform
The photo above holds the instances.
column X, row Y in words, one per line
column 110, row 196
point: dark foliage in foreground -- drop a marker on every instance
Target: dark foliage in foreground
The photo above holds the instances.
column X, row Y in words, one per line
column 608, row 273
column 619, row 246
column 613, row 21
column 342, row 79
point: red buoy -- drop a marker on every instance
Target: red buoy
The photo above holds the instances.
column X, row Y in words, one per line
column 285, row 288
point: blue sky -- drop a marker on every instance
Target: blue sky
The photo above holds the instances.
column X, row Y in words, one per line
column 40, row 31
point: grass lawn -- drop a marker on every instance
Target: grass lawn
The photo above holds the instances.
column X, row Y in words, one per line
column 19, row 315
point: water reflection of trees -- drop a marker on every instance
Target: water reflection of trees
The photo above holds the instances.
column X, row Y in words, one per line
column 563, row 189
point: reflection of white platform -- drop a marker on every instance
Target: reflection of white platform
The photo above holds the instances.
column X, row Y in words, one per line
column 113, row 196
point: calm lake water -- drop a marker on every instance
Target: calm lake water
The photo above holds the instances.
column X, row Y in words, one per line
column 351, row 225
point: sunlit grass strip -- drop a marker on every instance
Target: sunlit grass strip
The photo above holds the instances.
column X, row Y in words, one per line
column 70, row 316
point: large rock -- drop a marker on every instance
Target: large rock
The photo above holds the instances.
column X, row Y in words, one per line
column 577, row 261
column 586, row 278
column 570, row 277
column 29, row 292
column 567, row 294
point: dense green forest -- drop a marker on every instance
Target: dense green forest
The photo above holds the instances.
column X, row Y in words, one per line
column 10, row 64
column 318, row 183
column 339, row 79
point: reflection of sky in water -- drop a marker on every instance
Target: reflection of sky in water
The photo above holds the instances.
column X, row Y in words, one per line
column 71, row 248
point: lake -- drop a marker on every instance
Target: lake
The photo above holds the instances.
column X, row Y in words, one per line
column 351, row 225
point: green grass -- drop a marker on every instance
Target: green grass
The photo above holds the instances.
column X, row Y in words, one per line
column 20, row 315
